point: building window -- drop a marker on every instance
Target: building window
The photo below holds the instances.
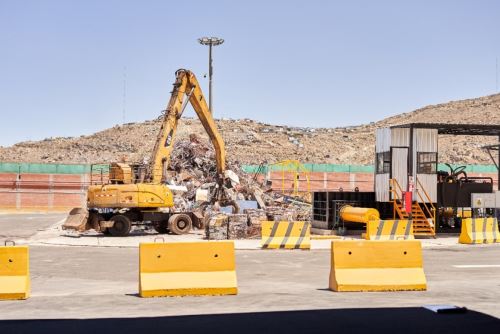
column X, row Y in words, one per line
column 426, row 162
column 383, row 162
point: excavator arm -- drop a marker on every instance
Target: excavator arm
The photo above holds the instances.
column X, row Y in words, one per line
column 186, row 87
column 186, row 90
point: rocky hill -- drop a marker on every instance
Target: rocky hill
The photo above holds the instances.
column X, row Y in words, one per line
column 252, row 142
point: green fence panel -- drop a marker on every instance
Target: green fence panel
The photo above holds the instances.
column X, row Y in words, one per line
column 38, row 168
column 328, row 168
column 9, row 167
column 339, row 168
column 471, row 168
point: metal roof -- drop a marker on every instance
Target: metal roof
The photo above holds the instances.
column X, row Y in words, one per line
column 456, row 129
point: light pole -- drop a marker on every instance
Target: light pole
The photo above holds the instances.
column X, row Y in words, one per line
column 210, row 41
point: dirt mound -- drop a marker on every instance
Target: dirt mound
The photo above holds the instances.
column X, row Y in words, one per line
column 252, row 142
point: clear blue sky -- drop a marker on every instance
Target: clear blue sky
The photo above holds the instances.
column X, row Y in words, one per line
column 303, row 63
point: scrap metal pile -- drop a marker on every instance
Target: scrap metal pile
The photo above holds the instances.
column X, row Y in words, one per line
column 192, row 173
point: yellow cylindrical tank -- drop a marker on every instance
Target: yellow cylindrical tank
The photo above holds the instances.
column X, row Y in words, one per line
column 358, row 215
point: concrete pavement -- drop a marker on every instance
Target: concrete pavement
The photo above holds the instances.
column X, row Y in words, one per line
column 102, row 282
column 95, row 282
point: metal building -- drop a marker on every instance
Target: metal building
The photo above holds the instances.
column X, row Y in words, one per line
column 407, row 154
column 408, row 184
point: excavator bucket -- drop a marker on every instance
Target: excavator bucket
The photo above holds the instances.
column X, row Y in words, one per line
column 76, row 220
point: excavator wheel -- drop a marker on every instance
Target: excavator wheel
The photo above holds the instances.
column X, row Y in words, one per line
column 161, row 227
column 180, row 223
column 121, row 226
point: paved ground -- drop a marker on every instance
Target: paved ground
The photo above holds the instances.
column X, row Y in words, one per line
column 45, row 230
column 101, row 282
column 92, row 282
column 26, row 225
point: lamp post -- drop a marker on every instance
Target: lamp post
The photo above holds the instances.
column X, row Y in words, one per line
column 210, row 41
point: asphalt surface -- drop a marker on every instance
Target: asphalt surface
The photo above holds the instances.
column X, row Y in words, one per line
column 72, row 282
column 26, row 225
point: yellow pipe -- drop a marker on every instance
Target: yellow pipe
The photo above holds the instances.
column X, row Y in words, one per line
column 358, row 215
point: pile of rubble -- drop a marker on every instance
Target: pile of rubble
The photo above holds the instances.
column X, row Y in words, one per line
column 193, row 168
column 250, row 142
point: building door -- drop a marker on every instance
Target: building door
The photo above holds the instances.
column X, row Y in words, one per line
column 399, row 167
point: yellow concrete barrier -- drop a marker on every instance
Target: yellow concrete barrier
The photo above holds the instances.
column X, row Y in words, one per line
column 376, row 266
column 479, row 231
column 289, row 235
column 14, row 272
column 389, row 230
column 187, row 269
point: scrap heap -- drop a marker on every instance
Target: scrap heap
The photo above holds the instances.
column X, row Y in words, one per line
column 192, row 167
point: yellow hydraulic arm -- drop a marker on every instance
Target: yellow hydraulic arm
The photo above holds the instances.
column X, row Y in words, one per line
column 186, row 86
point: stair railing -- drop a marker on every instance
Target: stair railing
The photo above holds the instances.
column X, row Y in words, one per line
column 393, row 189
column 425, row 199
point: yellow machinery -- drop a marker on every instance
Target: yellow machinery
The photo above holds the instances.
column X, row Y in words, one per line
column 295, row 169
column 358, row 215
column 136, row 194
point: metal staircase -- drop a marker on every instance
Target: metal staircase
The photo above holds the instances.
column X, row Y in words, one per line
column 423, row 211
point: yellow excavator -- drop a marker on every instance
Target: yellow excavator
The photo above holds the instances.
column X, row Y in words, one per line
column 138, row 194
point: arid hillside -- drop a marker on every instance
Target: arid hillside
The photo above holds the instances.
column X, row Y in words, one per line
column 252, row 142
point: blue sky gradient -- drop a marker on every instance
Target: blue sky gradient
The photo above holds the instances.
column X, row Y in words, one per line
column 302, row 63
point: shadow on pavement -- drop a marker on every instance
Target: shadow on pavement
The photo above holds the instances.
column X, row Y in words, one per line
column 380, row 320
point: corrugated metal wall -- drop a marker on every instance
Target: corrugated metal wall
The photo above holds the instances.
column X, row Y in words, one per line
column 425, row 140
column 399, row 165
column 382, row 187
column 382, row 144
column 382, row 140
column 400, row 137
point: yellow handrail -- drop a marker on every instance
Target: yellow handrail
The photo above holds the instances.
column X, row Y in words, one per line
column 432, row 210
column 394, row 187
column 394, row 184
column 421, row 187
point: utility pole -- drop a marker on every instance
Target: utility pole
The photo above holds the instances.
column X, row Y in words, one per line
column 210, row 41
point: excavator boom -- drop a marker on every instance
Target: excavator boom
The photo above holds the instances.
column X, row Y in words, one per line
column 116, row 206
column 186, row 86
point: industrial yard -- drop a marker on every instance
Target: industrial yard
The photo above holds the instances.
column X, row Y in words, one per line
column 351, row 186
column 99, row 281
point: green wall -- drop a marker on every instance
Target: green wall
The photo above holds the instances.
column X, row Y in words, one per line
column 361, row 168
column 14, row 167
